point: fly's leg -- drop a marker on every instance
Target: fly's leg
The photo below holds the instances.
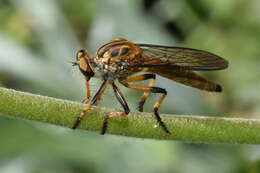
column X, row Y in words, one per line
column 123, row 103
column 156, row 108
column 94, row 101
column 88, row 96
column 146, row 93
column 157, row 104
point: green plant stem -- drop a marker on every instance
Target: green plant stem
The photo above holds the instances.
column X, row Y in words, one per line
column 185, row 128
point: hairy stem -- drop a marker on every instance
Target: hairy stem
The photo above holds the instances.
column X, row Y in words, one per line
column 185, row 128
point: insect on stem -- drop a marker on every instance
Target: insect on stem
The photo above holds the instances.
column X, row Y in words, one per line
column 120, row 59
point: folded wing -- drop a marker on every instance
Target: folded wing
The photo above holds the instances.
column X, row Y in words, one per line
column 156, row 56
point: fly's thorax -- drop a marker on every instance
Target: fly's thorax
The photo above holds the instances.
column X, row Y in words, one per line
column 118, row 50
column 114, row 58
column 112, row 70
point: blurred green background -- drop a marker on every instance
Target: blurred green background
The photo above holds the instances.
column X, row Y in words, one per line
column 39, row 39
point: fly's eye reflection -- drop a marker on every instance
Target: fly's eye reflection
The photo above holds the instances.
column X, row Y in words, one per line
column 120, row 60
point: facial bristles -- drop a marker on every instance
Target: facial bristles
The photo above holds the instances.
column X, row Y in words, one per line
column 74, row 63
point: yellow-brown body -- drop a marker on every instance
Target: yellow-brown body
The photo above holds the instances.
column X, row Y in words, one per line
column 120, row 59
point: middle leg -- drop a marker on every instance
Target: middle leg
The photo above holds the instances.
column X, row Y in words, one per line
column 123, row 103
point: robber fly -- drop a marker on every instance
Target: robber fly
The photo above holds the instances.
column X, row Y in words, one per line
column 120, row 59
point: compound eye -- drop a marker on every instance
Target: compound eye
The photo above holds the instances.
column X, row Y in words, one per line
column 80, row 54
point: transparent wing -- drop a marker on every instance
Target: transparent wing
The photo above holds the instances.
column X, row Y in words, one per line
column 180, row 58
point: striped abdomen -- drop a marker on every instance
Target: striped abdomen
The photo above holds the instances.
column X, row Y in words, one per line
column 188, row 78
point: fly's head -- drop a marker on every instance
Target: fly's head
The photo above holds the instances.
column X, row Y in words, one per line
column 83, row 62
